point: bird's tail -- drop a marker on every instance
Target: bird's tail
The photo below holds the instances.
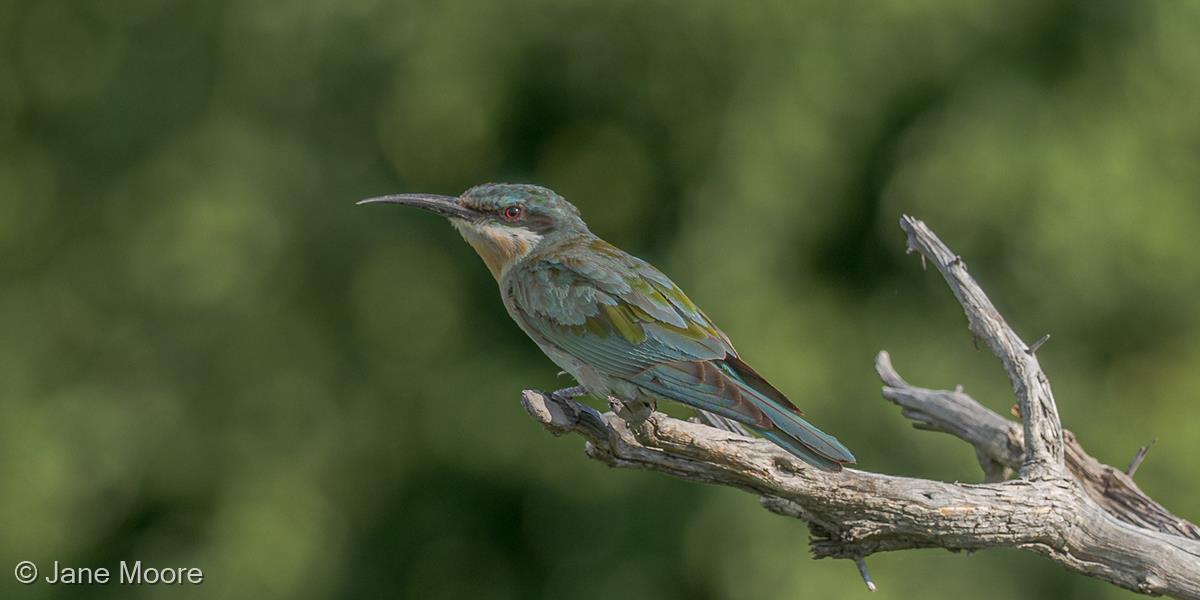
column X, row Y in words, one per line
column 802, row 439
column 791, row 432
column 732, row 389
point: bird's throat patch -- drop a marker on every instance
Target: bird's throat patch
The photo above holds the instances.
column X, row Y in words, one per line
column 499, row 246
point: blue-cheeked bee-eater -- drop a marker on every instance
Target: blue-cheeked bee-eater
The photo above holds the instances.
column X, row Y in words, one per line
column 614, row 322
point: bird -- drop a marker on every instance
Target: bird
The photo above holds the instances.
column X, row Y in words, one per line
column 612, row 321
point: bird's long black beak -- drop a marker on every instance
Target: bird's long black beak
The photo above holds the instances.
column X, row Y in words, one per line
column 447, row 206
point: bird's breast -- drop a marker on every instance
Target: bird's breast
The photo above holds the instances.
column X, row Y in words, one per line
column 593, row 381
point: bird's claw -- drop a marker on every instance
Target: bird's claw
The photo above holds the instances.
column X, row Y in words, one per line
column 634, row 412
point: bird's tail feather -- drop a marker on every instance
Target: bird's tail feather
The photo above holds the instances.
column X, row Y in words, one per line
column 794, row 434
column 802, row 439
column 800, row 450
column 732, row 389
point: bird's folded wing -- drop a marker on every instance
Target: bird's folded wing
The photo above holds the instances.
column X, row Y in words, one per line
column 626, row 319
column 615, row 312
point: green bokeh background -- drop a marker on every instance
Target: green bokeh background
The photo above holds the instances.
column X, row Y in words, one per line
column 210, row 357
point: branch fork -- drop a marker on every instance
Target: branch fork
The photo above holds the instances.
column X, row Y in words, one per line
column 1088, row 517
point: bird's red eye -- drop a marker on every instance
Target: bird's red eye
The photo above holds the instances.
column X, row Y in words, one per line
column 512, row 213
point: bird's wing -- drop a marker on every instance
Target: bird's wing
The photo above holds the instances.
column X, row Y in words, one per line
column 614, row 311
column 626, row 319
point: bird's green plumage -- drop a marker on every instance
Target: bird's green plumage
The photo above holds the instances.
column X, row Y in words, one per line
column 629, row 321
column 621, row 326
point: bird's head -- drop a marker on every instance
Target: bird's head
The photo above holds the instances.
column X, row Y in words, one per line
column 503, row 222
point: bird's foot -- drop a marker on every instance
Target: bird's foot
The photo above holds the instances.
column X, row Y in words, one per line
column 633, row 412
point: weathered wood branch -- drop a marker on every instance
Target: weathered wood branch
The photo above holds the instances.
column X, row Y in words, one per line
column 1087, row 517
column 1044, row 454
column 1000, row 442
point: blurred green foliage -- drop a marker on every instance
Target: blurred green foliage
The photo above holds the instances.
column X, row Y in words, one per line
column 209, row 357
